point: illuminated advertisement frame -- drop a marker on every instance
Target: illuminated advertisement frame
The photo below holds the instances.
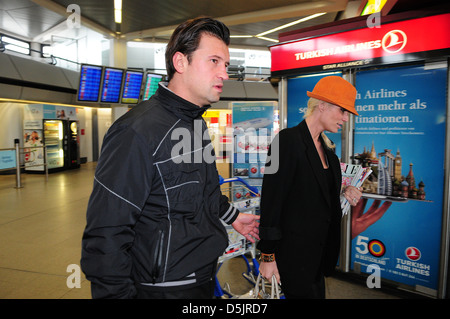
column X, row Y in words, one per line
column 394, row 42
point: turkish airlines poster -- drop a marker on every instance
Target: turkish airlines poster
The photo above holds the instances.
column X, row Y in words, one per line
column 400, row 133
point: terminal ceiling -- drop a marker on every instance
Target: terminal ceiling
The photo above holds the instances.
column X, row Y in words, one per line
column 154, row 20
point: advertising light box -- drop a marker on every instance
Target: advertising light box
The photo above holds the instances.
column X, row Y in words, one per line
column 361, row 47
column 400, row 134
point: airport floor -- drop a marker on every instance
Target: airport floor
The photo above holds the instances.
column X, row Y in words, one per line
column 41, row 225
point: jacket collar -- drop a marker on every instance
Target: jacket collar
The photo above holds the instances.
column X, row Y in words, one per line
column 173, row 103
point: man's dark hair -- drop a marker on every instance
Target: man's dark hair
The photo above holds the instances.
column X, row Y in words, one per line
column 186, row 38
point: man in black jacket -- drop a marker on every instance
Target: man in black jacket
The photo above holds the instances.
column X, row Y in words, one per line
column 154, row 219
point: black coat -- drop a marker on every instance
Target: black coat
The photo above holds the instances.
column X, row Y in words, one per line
column 300, row 209
column 155, row 214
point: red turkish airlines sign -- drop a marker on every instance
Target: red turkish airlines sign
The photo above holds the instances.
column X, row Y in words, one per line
column 417, row 35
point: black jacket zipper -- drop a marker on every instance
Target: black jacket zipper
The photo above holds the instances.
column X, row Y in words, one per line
column 157, row 257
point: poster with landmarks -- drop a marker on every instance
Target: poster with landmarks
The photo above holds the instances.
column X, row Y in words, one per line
column 400, row 135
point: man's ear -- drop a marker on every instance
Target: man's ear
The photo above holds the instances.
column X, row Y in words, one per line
column 179, row 62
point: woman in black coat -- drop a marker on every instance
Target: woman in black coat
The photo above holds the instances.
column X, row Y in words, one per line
column 300, row 204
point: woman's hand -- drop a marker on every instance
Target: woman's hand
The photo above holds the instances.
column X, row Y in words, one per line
column 353, row 195
column 268, row 269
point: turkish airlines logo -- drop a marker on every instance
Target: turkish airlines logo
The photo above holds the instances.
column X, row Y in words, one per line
column 413, row 253
column 394, row 41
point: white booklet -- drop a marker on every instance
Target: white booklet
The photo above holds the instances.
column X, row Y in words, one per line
column 352, row 175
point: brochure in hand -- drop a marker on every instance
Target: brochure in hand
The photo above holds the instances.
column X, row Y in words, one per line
column 352, row 175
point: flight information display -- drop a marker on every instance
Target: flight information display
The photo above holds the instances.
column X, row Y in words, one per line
column 89, row 85
column 151, row 84
column 132, row 87
column 112, row 84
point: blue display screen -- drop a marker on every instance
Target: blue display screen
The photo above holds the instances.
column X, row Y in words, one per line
column 89, row 86
column 112, row 84
column 132, row 87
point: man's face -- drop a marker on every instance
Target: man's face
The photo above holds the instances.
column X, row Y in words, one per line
column 204, row 75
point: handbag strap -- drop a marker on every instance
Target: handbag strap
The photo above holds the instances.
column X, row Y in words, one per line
column 275, row 291
column 274, row 294
column 259, row 281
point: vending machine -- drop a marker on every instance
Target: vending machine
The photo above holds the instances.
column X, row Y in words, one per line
column 56, row 128
column 54, row 140
column 73, row 148
column 62, row 142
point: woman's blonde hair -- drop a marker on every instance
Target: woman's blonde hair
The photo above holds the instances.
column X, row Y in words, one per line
column 312, row 105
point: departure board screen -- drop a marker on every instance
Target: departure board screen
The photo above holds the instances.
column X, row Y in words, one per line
column 112, row 84
column 89, row 85
column 151, row 84
column 132, row 87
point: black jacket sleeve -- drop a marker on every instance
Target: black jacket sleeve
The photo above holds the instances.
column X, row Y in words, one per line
column 228, row 213
column 278, row 177
column 122, row 183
